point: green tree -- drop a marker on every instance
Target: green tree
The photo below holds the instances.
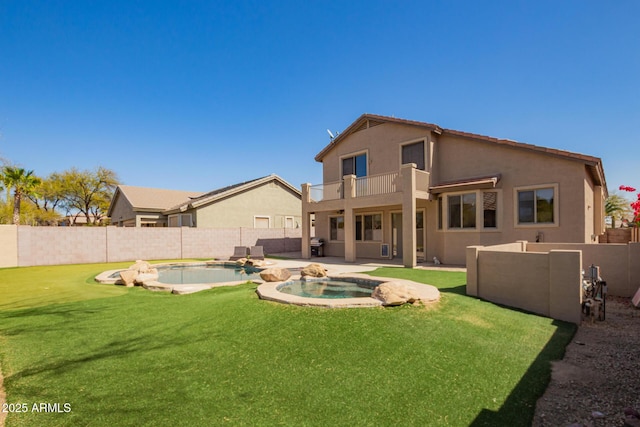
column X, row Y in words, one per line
column 49, row 198
column 23, row 183
column 89, row 192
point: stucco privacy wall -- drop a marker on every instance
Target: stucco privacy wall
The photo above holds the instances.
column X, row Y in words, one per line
column 8, row 246
column 619, row 263
column 77, row 245
column 545, row 283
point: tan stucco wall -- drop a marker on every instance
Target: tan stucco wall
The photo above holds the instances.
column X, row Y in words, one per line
column 271, row 199
column 545, row 283
column 382, row 144
column 617, row 262
column 453, row 158
column 9, row 244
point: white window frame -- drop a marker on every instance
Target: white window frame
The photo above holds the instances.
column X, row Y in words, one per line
column 424, row 146
column 256, row 217
column 556, row 207
column 289, row 218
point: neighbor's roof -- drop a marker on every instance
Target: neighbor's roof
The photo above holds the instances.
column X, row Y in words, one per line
column 151, row 199
column 228, row 191
column 593, row 164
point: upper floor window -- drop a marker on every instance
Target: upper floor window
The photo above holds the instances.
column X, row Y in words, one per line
column 355, row 165
column 536, row 206
column 414, row 153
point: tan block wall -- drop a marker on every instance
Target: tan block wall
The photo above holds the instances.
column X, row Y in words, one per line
column 61, row 245
column 565, row 286
column 131, row 243
column 547, row 278
column 615, row 262
column 515, row 279
column 78, row 245
column 9, row 245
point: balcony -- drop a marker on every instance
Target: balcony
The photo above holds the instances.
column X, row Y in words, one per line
column 373, row 185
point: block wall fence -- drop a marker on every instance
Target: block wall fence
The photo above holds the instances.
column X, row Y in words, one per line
column 23, row 246
column 546, row 278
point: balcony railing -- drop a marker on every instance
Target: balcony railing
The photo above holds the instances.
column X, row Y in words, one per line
column 328, row 191
column 377, row 184
column 374, row 185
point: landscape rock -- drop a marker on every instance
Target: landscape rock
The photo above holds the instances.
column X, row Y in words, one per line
column 141, row 266
column 241, row 262
column 255, row 262
column 128, row 277
column 275, row 274
column 150, row 275
column 393, row 293
column 313, row 270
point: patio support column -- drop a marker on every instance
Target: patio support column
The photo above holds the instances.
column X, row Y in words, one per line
column 408, row 173
column 306, row 221
column 349, row 219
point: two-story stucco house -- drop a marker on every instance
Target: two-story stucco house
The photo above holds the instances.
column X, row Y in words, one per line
column 413, row 190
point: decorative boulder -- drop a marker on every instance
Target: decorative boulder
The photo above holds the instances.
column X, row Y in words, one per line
column 141, row 266
column 255, row 263
column 313, row 270
column 392, row 293
column 275, row 274
column 241, row 262
column 129, row 277
column 150, row 275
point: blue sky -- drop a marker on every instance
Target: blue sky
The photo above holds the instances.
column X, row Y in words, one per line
column 196, row 95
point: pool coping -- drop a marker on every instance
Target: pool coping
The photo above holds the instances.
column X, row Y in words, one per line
column 269, row 291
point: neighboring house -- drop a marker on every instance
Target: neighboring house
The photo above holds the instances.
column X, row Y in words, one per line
column 268, row 202
column 415, row 191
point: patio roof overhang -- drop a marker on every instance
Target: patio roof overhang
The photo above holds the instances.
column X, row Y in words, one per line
column 485, row 182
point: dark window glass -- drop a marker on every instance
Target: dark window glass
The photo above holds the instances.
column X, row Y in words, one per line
column 414, row 153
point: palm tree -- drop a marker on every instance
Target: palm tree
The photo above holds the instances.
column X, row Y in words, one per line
column 616, row 207
column 23, row 183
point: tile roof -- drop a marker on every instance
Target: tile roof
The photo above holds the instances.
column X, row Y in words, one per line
column 593, row 164
column 154, row 198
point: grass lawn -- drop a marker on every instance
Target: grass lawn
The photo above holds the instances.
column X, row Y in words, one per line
column 123, row 356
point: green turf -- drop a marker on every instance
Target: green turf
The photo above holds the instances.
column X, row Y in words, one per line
column 122, row 356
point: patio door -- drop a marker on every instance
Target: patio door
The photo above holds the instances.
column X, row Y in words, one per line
column 396, row 234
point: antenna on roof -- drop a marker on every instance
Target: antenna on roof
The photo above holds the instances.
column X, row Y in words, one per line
column 330, row 134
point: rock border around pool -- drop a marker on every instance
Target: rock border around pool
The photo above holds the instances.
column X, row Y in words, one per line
column 425, row 294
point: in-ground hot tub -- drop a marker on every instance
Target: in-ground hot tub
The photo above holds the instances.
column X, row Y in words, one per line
column 353, row 290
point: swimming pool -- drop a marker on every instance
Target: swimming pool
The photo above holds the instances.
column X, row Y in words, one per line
column 187, row 274
column 184, row 278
